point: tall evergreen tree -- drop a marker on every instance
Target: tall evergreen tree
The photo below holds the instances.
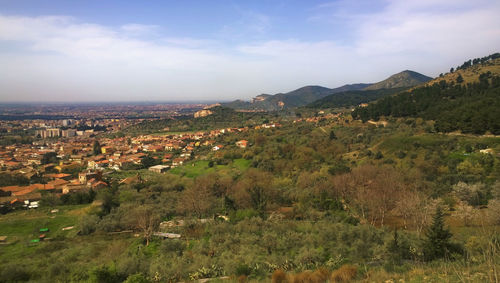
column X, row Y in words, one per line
column 437, row 243
column 332, row 135
column 394, row 248
column 97, row 148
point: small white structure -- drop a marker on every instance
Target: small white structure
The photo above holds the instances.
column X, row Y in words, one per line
column 159, row 168
column 167, row 235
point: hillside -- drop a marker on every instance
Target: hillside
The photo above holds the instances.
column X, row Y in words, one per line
column 466, row 100
column 470, row 74
column 404, row 79
column 221, row 117
column 296, row 98
column 308, row 94
column 352, row 98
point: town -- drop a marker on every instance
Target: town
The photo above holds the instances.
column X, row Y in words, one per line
column 63, row 159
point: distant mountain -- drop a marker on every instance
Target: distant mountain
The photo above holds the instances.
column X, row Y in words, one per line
column 296, row 98
column 404, row 79
column 353, row 98
column 308, row 94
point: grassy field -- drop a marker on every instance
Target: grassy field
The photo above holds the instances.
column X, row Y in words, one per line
column 201, row 167
column 22, row 226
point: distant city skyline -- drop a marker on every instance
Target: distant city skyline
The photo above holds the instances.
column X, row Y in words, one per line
column 105, row 51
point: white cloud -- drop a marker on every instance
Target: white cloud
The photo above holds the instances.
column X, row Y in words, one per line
column 64, row 59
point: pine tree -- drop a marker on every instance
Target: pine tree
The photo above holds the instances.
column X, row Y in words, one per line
column 394, row 248
column 437, row 243
column 332, row 135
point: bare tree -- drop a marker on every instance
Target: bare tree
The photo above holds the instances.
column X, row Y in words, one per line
column 372, row 190
column 147, row 221
column 196, row 199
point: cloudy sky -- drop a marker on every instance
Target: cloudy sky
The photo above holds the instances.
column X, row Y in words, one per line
column 94, row 50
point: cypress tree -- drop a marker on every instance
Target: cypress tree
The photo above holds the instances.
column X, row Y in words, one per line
column 97, row 148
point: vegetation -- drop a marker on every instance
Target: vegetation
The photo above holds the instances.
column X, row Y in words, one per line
column 316, row 199
column 222, row 117
column 352, row 98
column 468, row 108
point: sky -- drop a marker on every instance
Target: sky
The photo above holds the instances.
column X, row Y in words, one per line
column 118, row 50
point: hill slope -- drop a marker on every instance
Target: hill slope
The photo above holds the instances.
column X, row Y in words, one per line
column 469, row 104
column 296, row 98
column 404, row 79
column 352, row 98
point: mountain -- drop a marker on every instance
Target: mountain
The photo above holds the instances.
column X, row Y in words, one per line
column 353, row 97
column 466, row 100
column 404, row 79
column 308, row 94
column 299, row 97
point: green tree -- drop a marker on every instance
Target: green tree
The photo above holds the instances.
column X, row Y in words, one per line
column 394, row 248
column 332, row 135
column 148, row 161
column 49, row 157
column 460, row 79
column 437, row 243
column 97, row 148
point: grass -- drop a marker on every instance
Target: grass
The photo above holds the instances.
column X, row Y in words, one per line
column 22, row 226
column 120, row 175
column 201, row 167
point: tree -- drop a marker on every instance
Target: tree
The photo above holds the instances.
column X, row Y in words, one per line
column 254, row 190
column 108, row 200
column 460, row 79
column 437, row 243
column 97, row 148
column 147, row 221
column 394, row 248
column 197, row 199
column 148, row 161
column 49, row 157
column 332, row 135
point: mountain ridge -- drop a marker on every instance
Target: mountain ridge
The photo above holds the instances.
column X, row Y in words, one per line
column 310, row 93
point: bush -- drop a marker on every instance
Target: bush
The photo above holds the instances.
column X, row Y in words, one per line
column 279, row 276
column 88, row 224
column 14, row 273
column 345, row 273
column 104, row 274
column 243, row 269
column 242, row 214
column 137, row 278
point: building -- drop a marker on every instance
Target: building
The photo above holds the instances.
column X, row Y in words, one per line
column 68, row 133
column 49, row 133
column 242, row 143
column 159, row 168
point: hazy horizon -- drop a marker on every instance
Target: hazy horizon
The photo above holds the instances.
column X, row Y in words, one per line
column 126, row 51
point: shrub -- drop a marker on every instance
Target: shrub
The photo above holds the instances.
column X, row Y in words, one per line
column 243, row 269
column 14, row 273
column 137, row 278
column 104, row 274
column 88, row 224
column 345, row 273
column 243, row 214
column 279, row 276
